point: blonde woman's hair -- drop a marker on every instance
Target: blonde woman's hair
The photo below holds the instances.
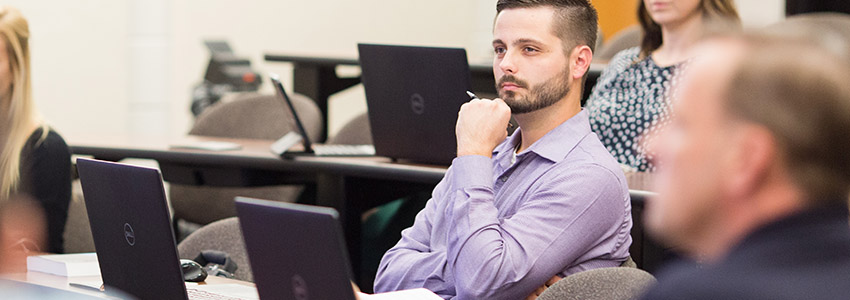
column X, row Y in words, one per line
column 17, row 112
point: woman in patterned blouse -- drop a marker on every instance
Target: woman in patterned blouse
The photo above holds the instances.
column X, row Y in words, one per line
column 631, row 99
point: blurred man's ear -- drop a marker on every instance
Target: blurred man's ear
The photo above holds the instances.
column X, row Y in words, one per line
column 754, row 158
column 22, row 233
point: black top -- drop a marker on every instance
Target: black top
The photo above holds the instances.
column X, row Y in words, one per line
column 629, row 104
column 46, row 177
column 804, row 256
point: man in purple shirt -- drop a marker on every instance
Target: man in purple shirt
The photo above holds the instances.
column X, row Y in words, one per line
column 512, row 212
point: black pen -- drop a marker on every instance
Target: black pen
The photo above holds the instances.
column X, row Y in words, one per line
column 472, row 96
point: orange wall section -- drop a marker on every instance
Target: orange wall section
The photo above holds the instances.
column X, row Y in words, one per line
column 615, row 15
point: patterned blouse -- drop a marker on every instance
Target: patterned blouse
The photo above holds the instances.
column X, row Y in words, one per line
column 631, row 101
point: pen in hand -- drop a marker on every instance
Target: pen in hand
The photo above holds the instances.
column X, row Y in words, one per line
column 472, row 96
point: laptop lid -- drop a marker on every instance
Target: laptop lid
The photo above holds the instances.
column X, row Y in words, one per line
column 281, row 92
column 296, row 251
column 414, row 95
column 132, row 231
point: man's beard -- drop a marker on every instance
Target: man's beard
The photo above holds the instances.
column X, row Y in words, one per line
column 538, row 97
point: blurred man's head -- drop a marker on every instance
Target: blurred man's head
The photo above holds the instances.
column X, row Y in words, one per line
column 542, row 50
column 761, row 129
column 22, row 233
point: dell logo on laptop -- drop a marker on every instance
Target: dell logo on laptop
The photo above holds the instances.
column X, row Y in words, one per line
column 417, row 104
column 129, row 235
column 299, row 288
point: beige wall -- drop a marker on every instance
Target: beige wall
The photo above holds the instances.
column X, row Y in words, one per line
column 78, row 60
column 758, row 13
column 101, row 66
column 312, row 28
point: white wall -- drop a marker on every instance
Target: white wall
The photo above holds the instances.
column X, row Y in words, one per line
column 758, row 13
column 107, row 66
column 79, row 62
column 310, row 28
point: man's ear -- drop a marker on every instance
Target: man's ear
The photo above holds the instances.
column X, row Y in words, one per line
column 580, row 61
column 755, row 156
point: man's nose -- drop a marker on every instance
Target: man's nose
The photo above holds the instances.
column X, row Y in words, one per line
column 507, row 64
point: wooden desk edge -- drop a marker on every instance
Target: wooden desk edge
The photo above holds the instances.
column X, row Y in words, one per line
column 64, row 283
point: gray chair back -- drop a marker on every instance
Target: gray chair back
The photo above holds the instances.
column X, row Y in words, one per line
column 825, row 29
column 223, row 235
column 617, row 283
column 627, row 38
column 355, row 132
column 258, row 116
column 251, row 116
column 77, row 233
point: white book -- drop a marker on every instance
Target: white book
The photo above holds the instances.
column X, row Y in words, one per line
column 68, row 265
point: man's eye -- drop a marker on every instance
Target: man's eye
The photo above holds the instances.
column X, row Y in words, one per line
column 529, row 49
column 499, row 50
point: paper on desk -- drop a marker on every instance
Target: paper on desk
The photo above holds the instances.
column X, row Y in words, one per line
column 412, row 294
column 93, row 284
column 209, row 145
column 230, row 290
column 68, row 265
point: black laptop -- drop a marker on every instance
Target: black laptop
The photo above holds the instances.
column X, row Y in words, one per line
column 132, row 231
column 296, row 251
column 414, row 95
column 283, row 146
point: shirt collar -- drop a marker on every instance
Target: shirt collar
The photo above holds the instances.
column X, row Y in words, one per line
column 556, row 144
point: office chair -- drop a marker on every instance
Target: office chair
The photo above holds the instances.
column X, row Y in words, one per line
column 77, row 235
column 249, row 116
column 355, row 132
column 617, row 283
column 222, row 235
column 627, row 38
column 828, row 30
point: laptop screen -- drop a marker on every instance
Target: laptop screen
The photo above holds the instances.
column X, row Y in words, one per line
column 281, row 92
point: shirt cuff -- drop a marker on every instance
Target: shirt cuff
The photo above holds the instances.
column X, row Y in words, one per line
column 472, row 171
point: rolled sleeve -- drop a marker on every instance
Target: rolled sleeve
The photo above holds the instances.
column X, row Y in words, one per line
column 472, row 171
column 565, row 219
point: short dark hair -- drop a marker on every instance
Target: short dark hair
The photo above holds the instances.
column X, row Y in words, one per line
column 576, row 22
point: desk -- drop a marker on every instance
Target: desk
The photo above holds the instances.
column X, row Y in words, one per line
column 63, row 283
column 253, row 165
column 350, row 185
column 316, row 77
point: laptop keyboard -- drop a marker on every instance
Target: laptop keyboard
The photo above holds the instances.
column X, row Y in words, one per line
column 344, row 150
column 195, row 294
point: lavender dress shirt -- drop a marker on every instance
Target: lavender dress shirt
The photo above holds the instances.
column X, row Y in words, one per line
column 493, row 230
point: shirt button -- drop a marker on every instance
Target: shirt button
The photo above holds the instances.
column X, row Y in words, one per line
column 503, row 178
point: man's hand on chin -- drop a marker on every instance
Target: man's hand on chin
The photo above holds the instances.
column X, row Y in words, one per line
column 481, row 126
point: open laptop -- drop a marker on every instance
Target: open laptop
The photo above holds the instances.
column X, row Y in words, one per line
column 296, row 251
column 414, row 95
column 132, row 231
column 282, row 146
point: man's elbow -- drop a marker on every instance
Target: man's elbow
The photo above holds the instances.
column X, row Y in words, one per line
column 384, row 279
column 382, row 285
column 472, row 293
column 481, row 290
